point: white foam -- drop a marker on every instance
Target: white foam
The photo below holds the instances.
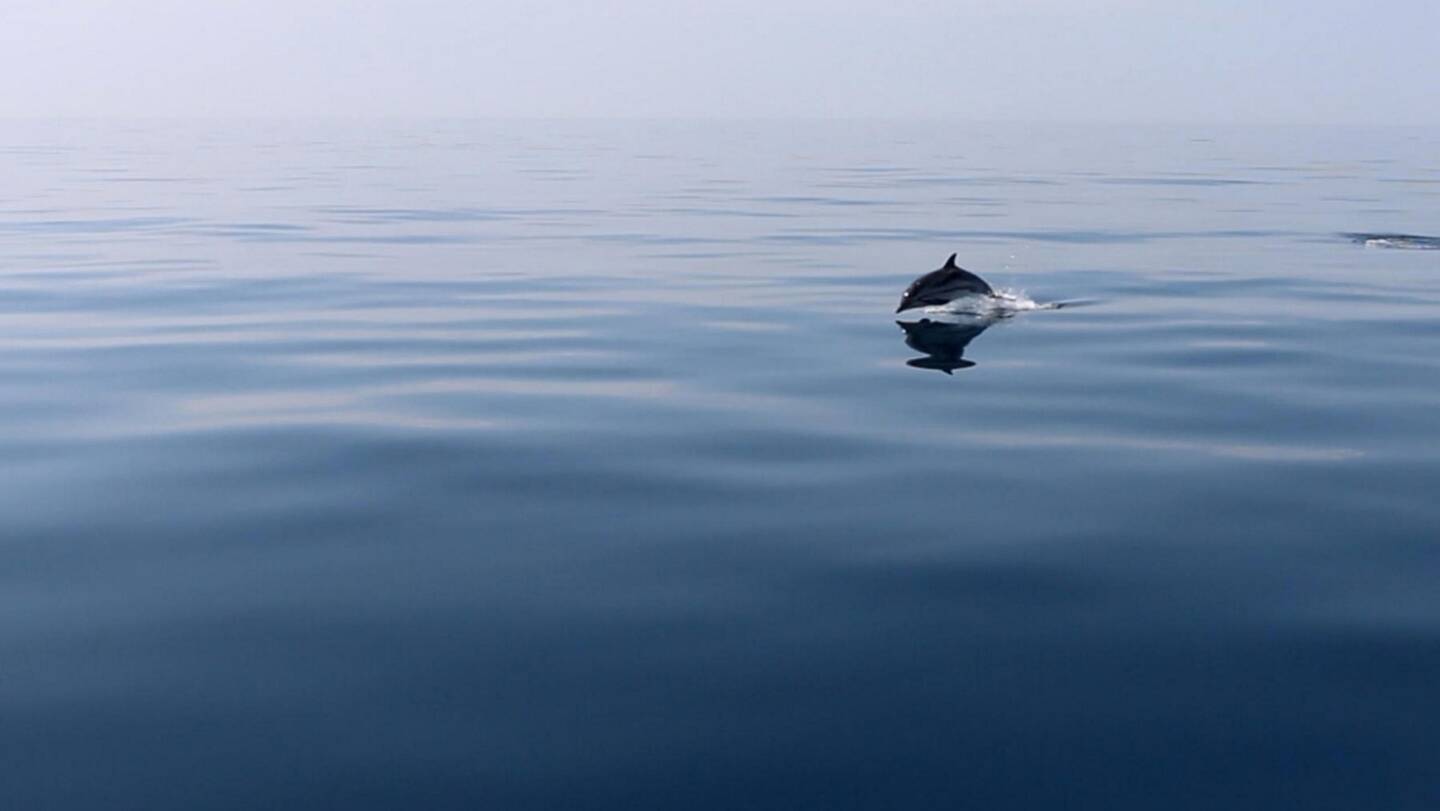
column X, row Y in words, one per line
column 1006, row 301
column 1403, row 243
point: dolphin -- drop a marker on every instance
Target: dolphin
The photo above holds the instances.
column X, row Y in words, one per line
column 943, row 286
column 1414, row 242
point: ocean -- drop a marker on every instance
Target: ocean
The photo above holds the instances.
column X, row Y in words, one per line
column 585, row 465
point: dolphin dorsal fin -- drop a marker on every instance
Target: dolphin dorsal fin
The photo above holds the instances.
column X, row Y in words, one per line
column 950, row 263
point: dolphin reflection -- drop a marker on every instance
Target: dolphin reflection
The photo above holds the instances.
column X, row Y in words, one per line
column 943, row 342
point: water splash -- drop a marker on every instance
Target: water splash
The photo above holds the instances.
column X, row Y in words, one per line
column 1005, row 302
column 1413, row 242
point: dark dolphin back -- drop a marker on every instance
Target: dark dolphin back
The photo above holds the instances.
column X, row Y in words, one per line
column 946, row 283
column 943, row 286
column 954, row 276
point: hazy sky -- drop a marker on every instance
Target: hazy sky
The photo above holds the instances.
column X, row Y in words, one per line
column 1128, row 60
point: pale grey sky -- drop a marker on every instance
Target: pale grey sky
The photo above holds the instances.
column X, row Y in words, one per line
column 1302, row 61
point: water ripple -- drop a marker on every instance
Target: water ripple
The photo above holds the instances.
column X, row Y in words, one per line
column 600, row 440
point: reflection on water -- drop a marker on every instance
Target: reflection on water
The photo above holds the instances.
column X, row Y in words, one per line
column 944, row 342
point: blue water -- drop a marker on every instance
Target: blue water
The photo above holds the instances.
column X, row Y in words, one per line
column 533, row 465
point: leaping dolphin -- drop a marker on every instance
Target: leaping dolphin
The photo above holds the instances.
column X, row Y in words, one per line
column 943, row 286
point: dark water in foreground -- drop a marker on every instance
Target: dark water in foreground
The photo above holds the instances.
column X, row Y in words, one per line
column 428, row 465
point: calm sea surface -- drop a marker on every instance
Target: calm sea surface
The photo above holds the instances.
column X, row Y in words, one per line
column 584, row 465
